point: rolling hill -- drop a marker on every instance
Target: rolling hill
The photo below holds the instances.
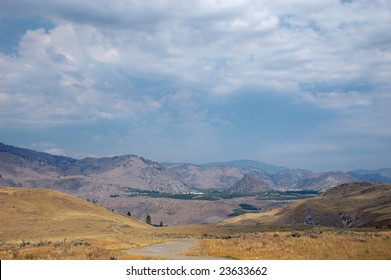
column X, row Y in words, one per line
column 41, row 213
column 344, row 206
column 46, row 224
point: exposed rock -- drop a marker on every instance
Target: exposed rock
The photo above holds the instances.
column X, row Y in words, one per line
column 347, row 220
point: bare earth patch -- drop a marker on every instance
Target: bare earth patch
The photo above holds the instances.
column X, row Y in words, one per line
column 174, row 250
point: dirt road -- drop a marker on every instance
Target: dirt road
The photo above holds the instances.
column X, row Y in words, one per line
column 173, row 250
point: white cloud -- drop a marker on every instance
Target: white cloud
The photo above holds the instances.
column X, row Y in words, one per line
column 48, row 147
column 132, row 59
column 337, row 100
column 55, row 151
column 370, row 121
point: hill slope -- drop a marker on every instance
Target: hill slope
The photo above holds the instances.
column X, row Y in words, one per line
column 347, row 205
column 242, row 164
column 89, row 177
column 250, row 184
column 40, row 213
column 206, row 177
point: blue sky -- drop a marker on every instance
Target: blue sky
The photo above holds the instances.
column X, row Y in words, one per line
column 302, row 84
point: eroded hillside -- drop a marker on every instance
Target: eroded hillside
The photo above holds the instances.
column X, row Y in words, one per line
column 344, row 206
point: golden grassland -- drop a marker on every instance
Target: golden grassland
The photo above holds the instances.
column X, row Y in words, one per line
column 302, row 245
column 313, row 244
column 44, row 224
column 103, row 246
column 74, row 250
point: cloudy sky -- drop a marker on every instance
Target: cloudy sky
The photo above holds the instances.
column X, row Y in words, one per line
column 294, row 83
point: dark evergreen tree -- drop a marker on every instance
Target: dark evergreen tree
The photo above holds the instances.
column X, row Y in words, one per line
column 148, row 220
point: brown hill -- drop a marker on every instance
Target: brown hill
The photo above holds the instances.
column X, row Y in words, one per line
column 324, row 180
column 89, row 177
column 40, row 213
column 250, row 184
column 206, row 177
column 347, row 205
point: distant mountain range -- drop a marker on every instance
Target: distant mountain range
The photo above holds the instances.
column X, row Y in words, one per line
column 119, row 175
column 376, row 176
column 95, row 177
column 229, row 176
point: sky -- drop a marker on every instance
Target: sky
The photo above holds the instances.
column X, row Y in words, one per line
column 301, row 84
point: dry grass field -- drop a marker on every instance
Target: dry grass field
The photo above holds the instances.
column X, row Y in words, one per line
column 302, row 245
column 46, row 224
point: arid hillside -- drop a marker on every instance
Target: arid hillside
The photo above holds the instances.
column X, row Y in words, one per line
column 88, row 177
column 344, row 206
column 40, row 213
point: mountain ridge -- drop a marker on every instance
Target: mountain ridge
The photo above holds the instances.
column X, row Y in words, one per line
column 84, row 177
column 246, row 163
column 133, row 171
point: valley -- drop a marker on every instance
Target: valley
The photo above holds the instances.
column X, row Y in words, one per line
column 172, row 193
column 47, row 224
column 206, row 207
column 54, row 207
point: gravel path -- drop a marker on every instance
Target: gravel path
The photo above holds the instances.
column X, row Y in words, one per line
column 173, row 250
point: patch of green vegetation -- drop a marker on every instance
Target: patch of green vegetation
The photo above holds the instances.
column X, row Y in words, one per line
column 287, row 195
column 248, row 207
column 237, row 212
column 213, row 195
column 182, row 196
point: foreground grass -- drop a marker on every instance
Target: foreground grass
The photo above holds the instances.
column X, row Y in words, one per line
column 107, row 246
column 311, row 244
column 301, row 245
column 61, row 250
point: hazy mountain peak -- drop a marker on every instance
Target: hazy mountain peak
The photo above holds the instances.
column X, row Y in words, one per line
column 246, row 163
